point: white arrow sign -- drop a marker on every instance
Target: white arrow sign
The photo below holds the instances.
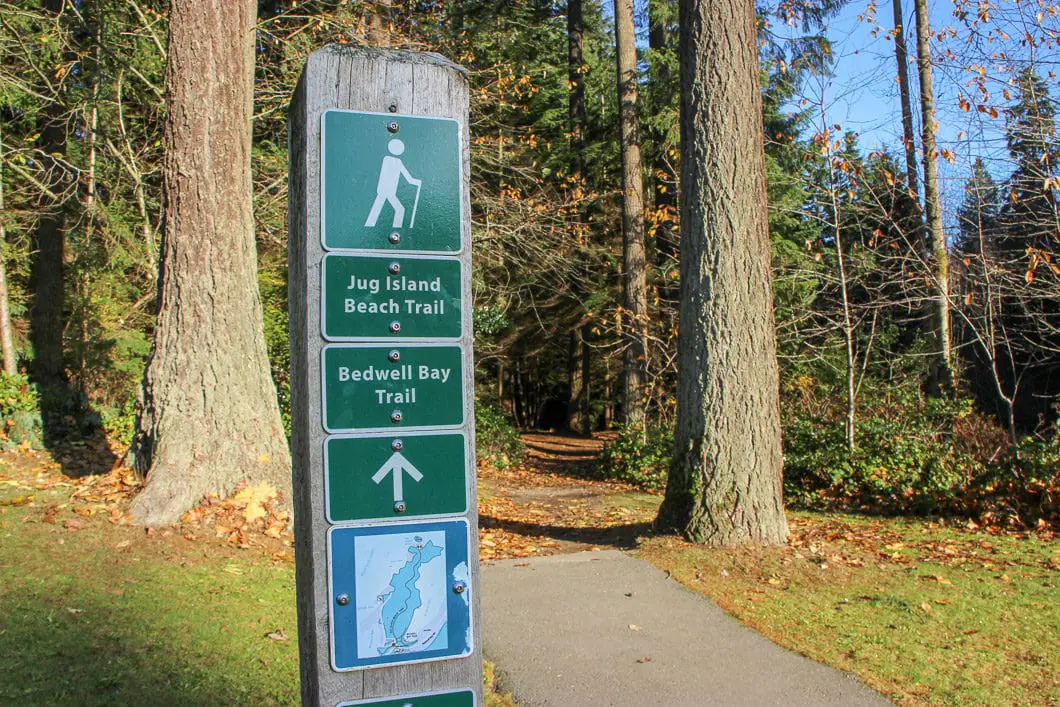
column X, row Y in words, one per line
column 396, row 464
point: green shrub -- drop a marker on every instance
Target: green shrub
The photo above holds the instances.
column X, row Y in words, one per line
column 118, row 421
column 20, row 412
column 638, row 457
column 908, row 458
column 496, row 438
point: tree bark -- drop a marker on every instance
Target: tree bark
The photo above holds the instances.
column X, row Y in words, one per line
column 578, row 361
column 901, row 54
column 46, row 264
column 379, row 23
column 208, row 417
column 7, row 342
column 932, row 204
column 634, row 280
column 725, row 484
column 663, row 173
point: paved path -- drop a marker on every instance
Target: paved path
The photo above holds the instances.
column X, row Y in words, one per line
column 558, row 630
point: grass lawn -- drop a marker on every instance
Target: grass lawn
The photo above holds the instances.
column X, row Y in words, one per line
column 922, row 612
column 94, row 612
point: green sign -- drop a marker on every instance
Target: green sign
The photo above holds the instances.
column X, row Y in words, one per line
column 459, row 698
column 392, row 476
column 392, row 387
column 383, row 297
column 390, row 182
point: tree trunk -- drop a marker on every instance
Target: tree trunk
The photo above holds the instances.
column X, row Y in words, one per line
column 725, row 483
column 578, row 361
column 663, row 174
column 932, row 205
column 901, row 53
column 7, row 342
column 46, row 264
column 208, row 417
column 634, row 280
column 574, row 380
column 379, row 23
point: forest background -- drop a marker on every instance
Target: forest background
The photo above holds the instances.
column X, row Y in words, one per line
column 883, row 409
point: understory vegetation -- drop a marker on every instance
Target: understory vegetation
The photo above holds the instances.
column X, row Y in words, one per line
column 916, row 455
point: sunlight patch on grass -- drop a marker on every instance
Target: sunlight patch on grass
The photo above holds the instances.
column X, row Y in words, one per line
column 923, row 613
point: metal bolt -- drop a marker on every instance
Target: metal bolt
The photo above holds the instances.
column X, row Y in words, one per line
column 342, row 599
column 395, row 327
column 396, row 416
column 392, row 126
column 395, row 237
column 397, row 445
column 399, row 506
column 394, row 356
column 393, row 108
column 459, row 587
column 394, row 268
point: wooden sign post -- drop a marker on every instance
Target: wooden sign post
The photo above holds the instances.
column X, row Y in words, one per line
column 382, row 388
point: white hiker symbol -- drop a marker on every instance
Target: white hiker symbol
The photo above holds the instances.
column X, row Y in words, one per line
column 390, row 174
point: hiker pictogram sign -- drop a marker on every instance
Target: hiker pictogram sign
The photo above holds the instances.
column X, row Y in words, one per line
column 390, row 182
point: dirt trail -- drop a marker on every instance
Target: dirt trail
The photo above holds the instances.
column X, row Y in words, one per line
column 550, row 504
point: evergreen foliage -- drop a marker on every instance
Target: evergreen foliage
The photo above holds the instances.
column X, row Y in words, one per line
column 851, row 278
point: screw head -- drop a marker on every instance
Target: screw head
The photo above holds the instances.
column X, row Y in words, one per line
column 394, row 268
column 397, row 445
column 392, row 126
column 399, row 507
column 459, row 587
column 394, row 356
column 395, row 327
column 392, row 108
column 396, row 417
column 342, row 599
column 395, row 238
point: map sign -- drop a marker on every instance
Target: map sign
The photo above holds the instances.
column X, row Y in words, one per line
column 390, row 182
column 395, row 476
column 400, row 593
column 386, row 297
column 379, row 387
column 456, row 698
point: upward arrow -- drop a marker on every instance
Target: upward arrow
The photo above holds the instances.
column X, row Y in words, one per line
column 395, row 465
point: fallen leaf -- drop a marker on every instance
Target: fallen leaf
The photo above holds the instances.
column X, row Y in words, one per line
column 634, row 627
column 277, row 635
column 644, row 660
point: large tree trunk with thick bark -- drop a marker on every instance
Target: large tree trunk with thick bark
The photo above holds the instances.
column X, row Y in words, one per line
column 634, row 277
column 725, row 483
column 208, row 417
column 942, row 374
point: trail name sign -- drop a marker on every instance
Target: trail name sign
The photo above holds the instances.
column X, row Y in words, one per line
column 382, row 432
column 370, row 297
